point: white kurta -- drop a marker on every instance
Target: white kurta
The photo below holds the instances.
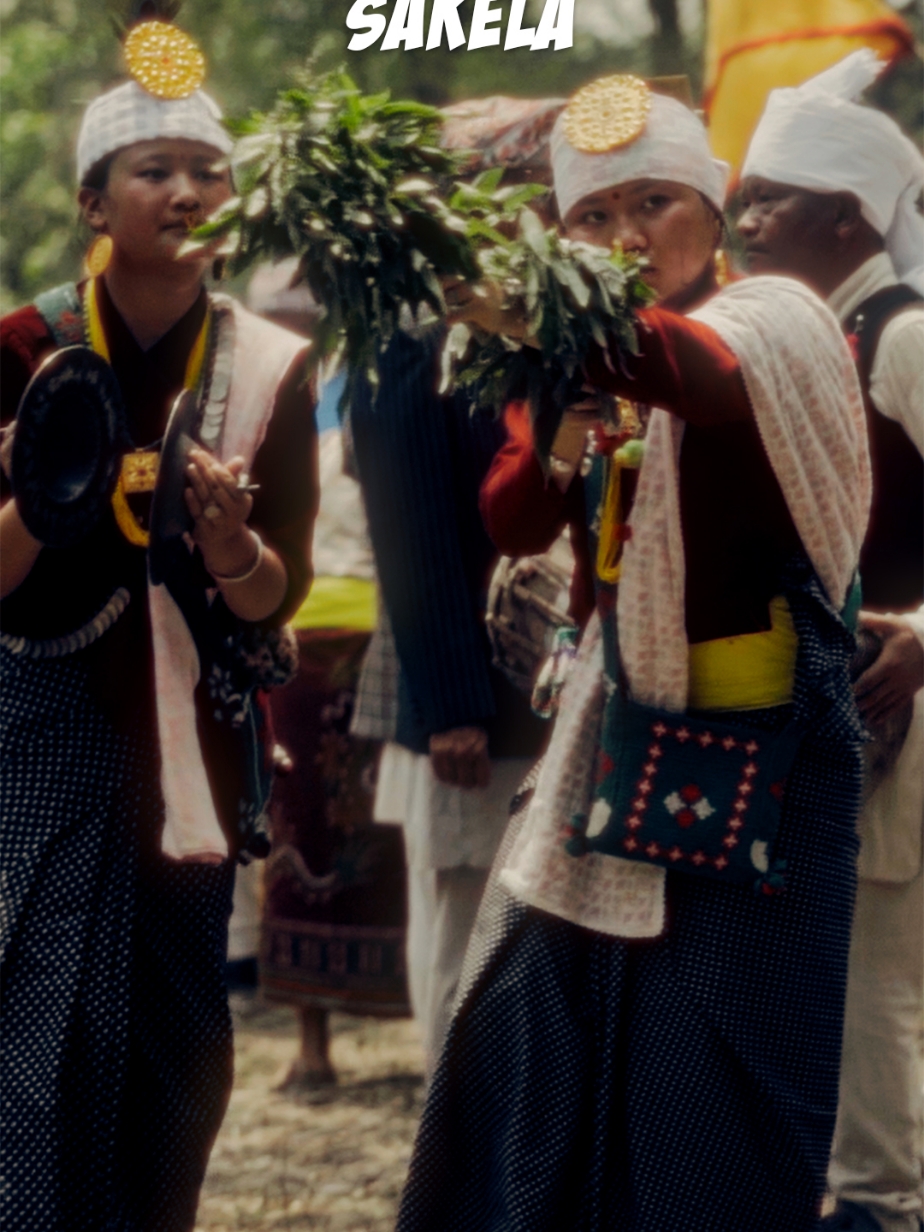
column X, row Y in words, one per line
column 876, row 1162
column 892, row 821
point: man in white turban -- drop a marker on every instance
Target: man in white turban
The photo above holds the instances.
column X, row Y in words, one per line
column 831, row 191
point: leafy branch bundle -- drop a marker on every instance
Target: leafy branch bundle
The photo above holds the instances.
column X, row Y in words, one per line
column 351, row 185
column 355, row 187
column 572, row 297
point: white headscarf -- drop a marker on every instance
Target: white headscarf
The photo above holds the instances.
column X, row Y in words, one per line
column 673, row 146
column 818, row 138
column 127, row 114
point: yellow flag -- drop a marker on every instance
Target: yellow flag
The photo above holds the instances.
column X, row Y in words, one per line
column 755, row 46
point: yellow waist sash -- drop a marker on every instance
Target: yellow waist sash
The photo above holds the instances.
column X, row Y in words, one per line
column 338, row 603
column 748, row 672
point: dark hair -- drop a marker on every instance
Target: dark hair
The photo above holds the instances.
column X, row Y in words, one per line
column 97, row 176
column 717, row 213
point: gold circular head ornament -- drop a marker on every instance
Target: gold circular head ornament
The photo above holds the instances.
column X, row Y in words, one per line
column 607, row 113
column 163, row 60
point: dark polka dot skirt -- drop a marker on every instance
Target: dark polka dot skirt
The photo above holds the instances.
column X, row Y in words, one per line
column 115, row 1037
column 682, row 1084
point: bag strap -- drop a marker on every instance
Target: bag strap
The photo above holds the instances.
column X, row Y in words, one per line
column 61, row 310
column 867, row 321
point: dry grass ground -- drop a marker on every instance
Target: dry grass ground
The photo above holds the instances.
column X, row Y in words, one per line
column 332, row 1160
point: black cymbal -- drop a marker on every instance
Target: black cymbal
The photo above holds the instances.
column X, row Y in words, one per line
column 170, row 516
column 70, row 437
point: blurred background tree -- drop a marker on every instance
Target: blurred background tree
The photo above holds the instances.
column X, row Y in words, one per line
column 55, row 55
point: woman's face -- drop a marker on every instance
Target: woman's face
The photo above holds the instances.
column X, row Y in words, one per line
column 155, row 191
column 669, row 224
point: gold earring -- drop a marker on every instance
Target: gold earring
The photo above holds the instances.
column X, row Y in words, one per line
column 722, row 270
column 98, row 256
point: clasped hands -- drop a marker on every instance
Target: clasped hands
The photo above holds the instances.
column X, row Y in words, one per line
column 459, row 757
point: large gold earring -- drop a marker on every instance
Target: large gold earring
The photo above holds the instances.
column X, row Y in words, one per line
column 722, row 270
column 98, row 256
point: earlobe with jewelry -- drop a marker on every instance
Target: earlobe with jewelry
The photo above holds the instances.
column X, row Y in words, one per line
column 98, row 255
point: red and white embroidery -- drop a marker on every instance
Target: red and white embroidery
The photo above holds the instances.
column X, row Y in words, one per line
column 688, row 804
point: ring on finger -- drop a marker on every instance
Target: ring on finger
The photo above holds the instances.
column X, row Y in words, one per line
column 212, row 511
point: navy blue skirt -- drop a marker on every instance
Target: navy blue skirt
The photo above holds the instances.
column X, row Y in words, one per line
column 682, row 1084
column 114, row 1023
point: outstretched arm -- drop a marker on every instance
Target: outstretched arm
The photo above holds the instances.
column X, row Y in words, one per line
column 684, row 367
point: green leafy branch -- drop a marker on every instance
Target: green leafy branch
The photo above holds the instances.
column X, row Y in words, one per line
column 572, row 299
column 358, row 189
column 353, row 186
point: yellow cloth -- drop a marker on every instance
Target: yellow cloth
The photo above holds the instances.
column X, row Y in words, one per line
column 748, row 672
column 338, row 603
column 754, row 48
column 609, row 545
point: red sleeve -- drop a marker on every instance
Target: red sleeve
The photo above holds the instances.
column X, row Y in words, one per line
column 684, row 367
column 24, row 342
column 286, row 468
column 524, row 515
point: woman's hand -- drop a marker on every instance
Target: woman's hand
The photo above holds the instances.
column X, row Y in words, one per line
column 220, row 509
column 251, row 576
column 482, row 304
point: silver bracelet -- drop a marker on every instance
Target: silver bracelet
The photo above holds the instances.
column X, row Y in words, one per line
column 248, row 573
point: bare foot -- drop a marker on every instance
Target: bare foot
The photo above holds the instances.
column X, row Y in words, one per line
column 311, row 1069
column 302, row 1078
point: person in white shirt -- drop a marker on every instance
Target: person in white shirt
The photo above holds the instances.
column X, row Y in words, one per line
column 829, row 190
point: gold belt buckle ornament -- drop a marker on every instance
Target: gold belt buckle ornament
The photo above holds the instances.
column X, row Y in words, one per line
column 139, row 471
column 607, row 113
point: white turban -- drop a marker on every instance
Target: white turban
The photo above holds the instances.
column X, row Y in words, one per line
column 673, row 146
column 127, row 114
column 816, row 137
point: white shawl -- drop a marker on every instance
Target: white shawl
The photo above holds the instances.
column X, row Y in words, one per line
column 807, row 404
column 252, row 357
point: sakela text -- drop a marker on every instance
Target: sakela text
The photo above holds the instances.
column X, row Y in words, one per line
column 408, row 20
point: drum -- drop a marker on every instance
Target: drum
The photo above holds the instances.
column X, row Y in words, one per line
column 527, row 604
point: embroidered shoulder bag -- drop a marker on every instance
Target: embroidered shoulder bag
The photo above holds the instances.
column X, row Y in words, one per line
column 687, row 792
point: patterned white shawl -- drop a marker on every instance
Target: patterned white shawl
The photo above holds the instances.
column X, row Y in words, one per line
column 807, row 403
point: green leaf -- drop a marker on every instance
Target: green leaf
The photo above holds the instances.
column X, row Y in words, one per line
column 488, row 181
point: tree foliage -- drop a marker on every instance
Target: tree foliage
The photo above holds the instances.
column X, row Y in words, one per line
column 58, row 54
